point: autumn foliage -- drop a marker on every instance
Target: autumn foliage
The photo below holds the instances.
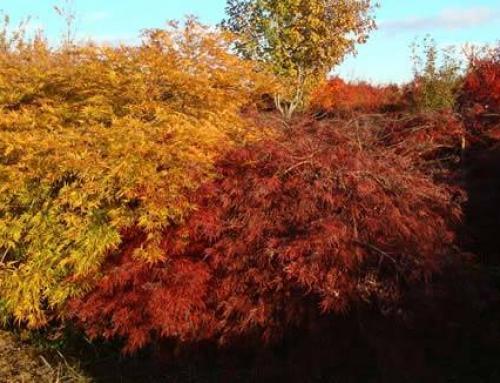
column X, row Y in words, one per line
column 479, row 99
column 341, row 97
column 95, row 139
column 154, row 193
column 313, row 219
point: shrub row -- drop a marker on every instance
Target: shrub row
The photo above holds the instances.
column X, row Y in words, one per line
column 136, row 199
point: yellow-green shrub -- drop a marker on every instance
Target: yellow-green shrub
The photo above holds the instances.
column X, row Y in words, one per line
column 96, row 139
column 437, row 76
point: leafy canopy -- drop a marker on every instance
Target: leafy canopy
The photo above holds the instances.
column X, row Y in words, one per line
column 301, row 39
column 95, row 139
column 320, row 221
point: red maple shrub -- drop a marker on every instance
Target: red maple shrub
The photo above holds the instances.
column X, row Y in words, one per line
column 308, row 220
column 434, row 141
column 479, row 99
column 338, row 96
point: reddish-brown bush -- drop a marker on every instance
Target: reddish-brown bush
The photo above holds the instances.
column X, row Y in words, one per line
column 434, row 141
column 337, row 96
column 314, row 219
column 480, row 97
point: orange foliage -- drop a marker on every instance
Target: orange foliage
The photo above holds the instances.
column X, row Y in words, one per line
column 338, row 96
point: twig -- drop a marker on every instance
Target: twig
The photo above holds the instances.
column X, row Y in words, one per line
column 46, row 363
column 382, row 253
column 290, row 169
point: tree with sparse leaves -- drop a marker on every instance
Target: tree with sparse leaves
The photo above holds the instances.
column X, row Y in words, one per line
column 301, row 39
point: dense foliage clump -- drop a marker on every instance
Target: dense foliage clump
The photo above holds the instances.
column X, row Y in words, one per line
column 312, row 221
column 339, row 97
column 97, row 139
column 479, row 98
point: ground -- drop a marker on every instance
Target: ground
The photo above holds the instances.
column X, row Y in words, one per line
column 22, row 363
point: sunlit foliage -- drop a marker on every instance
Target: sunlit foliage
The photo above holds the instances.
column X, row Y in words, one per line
column 479, row 98
column 95, row 139
column 338, row 96
column 437, row 76
column 325, row 219
column 301, row 39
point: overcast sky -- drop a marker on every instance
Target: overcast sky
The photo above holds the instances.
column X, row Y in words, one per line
column 385, row 58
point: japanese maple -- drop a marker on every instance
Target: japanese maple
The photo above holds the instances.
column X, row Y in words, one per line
column 338, row 96
column 479, row 98
column 311, row 219
column 94, row 139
